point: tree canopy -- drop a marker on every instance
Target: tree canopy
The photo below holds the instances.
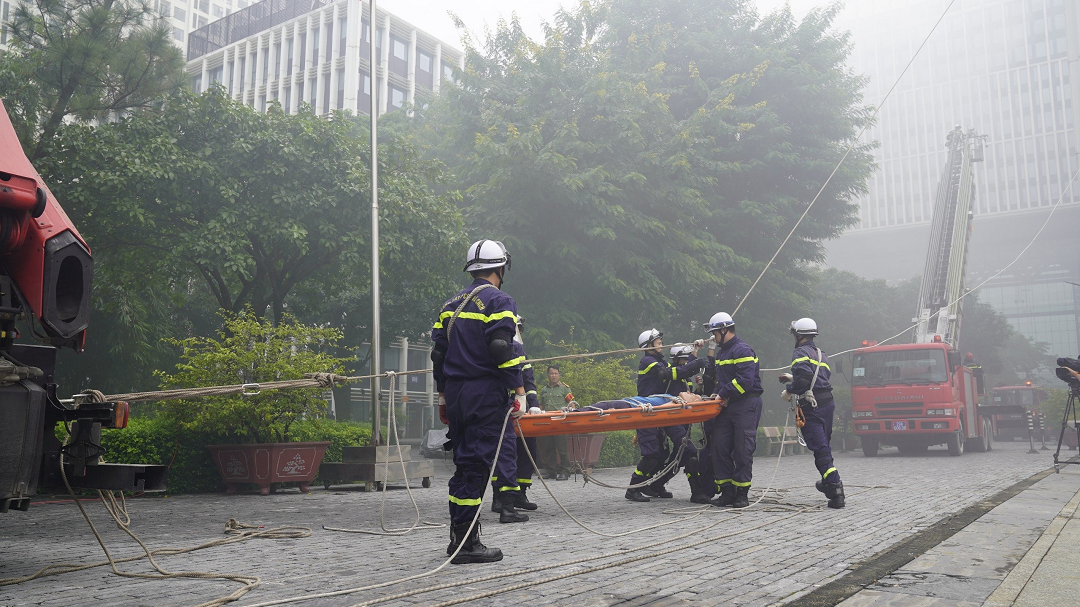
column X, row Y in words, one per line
column 83, row 59
column 645, row 160
column 209, row 199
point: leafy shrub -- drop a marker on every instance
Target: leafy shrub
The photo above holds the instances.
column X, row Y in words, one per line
column 192, row 470
column 618, row 450
column 248, row 350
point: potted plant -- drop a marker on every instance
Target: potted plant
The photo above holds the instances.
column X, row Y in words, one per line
column 253, row 350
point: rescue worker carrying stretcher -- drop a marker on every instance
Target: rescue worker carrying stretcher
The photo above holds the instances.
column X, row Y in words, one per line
column 733, row 433
column 808, row 383
column 475, row 367
column 654, row 376
column 681, row 356
column 513, row 472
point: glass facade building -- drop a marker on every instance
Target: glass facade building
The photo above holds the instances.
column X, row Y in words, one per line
column 1001, row 67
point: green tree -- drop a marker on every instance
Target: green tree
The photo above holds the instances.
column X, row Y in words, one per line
column 236, row 208
column 83, row 59
column 248, row 350
column 646, row 158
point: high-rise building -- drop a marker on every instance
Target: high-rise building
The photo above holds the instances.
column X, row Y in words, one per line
column 181, row 16
column 1009, row 69
column 317, row 52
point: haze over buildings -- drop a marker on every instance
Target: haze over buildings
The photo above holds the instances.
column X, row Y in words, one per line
column 1001, row 67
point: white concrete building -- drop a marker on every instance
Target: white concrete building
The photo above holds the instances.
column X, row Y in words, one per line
column 316, row 52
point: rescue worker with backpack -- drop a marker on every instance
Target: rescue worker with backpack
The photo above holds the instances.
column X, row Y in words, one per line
column 733, row 433
column 475, row 368
column 808, row 384
column 654, row 375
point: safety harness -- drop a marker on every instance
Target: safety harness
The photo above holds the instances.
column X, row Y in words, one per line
column 808, row 396
column 464, row 302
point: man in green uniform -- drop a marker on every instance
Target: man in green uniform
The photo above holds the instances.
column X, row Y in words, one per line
column 553, row 397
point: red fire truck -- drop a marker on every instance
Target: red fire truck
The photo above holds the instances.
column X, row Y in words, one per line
column 1014, row 402
column 919, row 394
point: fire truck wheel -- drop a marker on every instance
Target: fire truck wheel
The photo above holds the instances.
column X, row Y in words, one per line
column 956, row 442
column 869, row 446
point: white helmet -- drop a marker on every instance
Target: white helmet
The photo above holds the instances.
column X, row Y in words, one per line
column 804, row 326
column 720, row 320
column 647, row 337
column 485, row 255
column 679, row 351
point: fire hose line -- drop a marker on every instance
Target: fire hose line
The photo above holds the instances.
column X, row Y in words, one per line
column 495, row 459
column 117, row 510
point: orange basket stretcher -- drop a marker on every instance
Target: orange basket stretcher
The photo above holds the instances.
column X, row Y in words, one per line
column 555, row 423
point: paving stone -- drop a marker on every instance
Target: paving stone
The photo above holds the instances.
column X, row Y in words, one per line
column 889, row 499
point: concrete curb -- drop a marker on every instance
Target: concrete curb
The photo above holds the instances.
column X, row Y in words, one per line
column 1014, row 583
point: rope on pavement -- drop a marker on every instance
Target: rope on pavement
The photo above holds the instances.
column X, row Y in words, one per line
column 117, row 510
column 391, row 429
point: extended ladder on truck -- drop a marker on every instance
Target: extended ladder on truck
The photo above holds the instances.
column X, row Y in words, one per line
column 920, row 394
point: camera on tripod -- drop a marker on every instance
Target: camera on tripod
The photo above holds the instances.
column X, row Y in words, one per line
column 1068, row 371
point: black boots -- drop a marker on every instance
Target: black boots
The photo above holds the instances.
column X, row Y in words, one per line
column 656, row 491
column 472, row 549
column 507, row 514
column 503, row 505
column 635, row 495
column 699, row 498
column 742, row 497
column 521, row 501
column 726, row 497
column 833, row 491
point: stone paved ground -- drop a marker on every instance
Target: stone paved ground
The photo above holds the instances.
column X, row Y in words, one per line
column 759, row 556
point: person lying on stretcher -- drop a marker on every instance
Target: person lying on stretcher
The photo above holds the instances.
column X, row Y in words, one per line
column 641, row 402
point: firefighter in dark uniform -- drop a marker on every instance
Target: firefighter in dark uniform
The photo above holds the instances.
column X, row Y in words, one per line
column 654, row 375
column 681, row 356
column 808, row 383
column 733, row 433
column 475, row 367
column 513, row 472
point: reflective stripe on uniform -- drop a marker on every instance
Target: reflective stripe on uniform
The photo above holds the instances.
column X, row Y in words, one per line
column 721, row 483
column 827, row 473
column 735, row 361
column 462, row 501
column 512, row 362
column 528, row 366
column 476, row 316
column 508, row 489
column 738, row 484
column 735, row 382
column 524, row 481
column 647, row 369
column 641, row 474
column 674, row 373
column 811, row 361
column 533, row 392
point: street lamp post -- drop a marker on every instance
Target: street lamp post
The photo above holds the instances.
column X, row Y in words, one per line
column 376, row 346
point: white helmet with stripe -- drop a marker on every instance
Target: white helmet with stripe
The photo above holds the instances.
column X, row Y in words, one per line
column 720, row 320
column 681, row 351
column 646, row 338
column 804, row 326
column 486, row 255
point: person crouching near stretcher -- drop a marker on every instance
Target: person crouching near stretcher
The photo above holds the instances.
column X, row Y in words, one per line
column 654, row 377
